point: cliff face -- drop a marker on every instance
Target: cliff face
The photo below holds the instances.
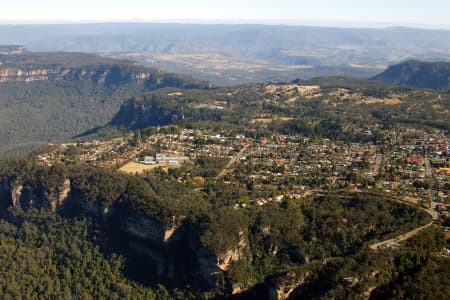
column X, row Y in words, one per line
column 10, row 192
column 137, row 114
column 163, row 252
column 17, row 193
column 225, row 260
column 171, row 250
column 19, row 65
column 433, row 75
column 100, row 75
column 62, row 95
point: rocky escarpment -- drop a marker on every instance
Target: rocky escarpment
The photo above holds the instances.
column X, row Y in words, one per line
column 170, row 249
column 283, row 286
column 135, row 113
column 100, row 75
column 157, row 251
column 49, row 97
column 10, row 192
column 20, row 193
column 19, row 65
column 434, row 75
column 167, row 252
column 235, row 254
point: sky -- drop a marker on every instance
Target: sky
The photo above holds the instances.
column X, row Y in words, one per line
column 429, row 13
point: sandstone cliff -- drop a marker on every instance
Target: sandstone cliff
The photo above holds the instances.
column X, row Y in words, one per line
column 170, row 251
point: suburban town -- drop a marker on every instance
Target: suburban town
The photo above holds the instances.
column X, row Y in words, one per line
column 410, row 165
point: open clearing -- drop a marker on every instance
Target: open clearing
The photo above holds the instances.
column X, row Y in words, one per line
column 411, row 200
column 307, row 89
column 358, row 98
column 388, row 101
column 134, row 167
column 268, row 121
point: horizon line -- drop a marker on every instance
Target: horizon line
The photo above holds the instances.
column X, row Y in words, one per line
column 273, row 22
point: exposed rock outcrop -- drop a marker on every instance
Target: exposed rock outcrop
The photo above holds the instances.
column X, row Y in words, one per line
column 144, row 112
column 166, row 251
column 143, row 227
column 19, row 193
column 10, row 192
column 19, row 65
column 57, row 197
column 232, row 255
column 16, row 192
column 100, row 75
column 434, row 75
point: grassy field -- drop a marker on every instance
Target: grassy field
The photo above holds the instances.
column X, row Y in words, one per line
column 134, row 167
column 388, row 101
column 307, row 89
column 268, row 121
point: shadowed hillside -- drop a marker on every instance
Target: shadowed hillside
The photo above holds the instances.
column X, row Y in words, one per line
column 434, row 75
column 46, row 97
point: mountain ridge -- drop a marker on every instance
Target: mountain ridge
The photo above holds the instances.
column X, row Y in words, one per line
column 48, row 97
column 19, row 64
column 415, row 73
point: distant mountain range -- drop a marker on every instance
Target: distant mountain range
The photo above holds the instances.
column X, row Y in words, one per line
column 234, row 54
column 434, row 75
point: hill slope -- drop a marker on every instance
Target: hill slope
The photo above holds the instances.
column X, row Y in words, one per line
column 299, row 106
column 47, row 97
column 434, row 75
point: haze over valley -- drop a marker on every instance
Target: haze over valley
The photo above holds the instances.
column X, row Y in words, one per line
column 235, row 54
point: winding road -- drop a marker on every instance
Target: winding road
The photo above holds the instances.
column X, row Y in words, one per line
column 403, row 237
column 431, row 211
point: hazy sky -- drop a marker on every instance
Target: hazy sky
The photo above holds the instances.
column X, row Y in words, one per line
column 396, row 12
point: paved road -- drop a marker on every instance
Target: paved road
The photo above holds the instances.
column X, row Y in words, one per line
column 431, row 211
column 403, row 237
column 393, row 242
column 236, row 157
column 433, row 194
column 378, row 162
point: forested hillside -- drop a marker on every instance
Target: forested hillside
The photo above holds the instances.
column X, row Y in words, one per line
column 336, row 107
column 433, row 75
column 79, row 231
column 48, row 97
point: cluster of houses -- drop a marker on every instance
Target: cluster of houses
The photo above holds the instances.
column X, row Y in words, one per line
column 173, row 149
column 405, row 164
column 416, row 165
column 304, row 164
